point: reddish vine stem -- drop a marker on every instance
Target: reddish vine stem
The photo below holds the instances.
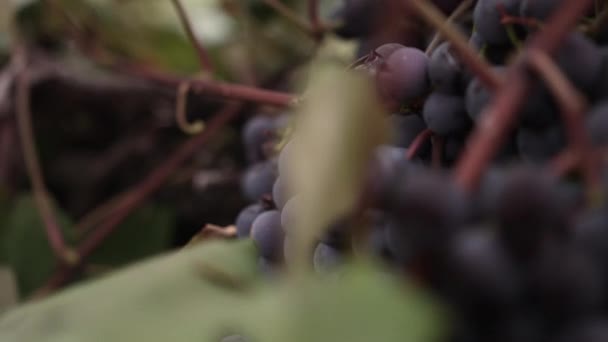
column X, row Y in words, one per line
column 137, row 196
column 41, row 195
column 469, row 57
column 315, row 21
column 564, row 162
column 457, row 13
column 415, row 146
column 572, row 105
column 203, row 54
column 212, row 88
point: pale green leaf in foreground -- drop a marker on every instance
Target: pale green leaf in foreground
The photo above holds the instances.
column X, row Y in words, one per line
column 172, row 298
column 339, row 125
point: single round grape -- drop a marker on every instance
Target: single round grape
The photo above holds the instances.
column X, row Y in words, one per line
column 402, row 76
column 476, row 98
column 326, row 258
column 487, row 19
column 259, row 179
column 530, row 211
column 600, row 89
column 540, row 145
column 388, row 163
column 405, row 129
column 565, row 284
column 356, row 17
column 445, row 114
column 267, row 234
column 257, row 132
column 539, row 9
column 580, row 60
column 427, row 210
column 245, row 219
column 446, row 72
column 480, row 274
column 597, row 124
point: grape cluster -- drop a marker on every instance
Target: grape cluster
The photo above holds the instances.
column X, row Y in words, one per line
column 524, row 257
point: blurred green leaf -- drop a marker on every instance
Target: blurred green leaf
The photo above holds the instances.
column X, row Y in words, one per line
column 24, row 246
column 186, row 297
column 339, row 124
column 146, row 232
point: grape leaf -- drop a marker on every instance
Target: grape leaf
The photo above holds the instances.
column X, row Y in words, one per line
column 213, row 290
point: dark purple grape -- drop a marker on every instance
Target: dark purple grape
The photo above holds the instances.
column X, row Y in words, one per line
column 580, row 60
column 280, row 195
column 405, row 129
column 479, row 275
column 427, row 210
column 487, row 16
column 538, row 111
column 565, row 284
column 402, row 76
column 259, row 179
column 539, row 9
column 476, row 98
column 446, row 72
column 326, row 258
column 600, row 89
column 495, row 54
column 591, row 236
column 387, row 163
column 453, row 147
column 597, row 124
column 445, row 114
column 540, row 145
column 590, row 330
column 257, row 132
column 530, row 211
column 356, row 17
column 245, row 219
column 267, row 234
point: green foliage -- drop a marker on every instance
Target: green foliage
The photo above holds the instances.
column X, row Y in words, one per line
column 213, row 290
column 24, row 246
column 146, row 232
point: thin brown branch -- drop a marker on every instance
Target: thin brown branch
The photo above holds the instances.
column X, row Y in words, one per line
column 572, row 105
column 137, row 196
column 315, row 21
column 469, row 57
column 203, row 55
column 30, row 155
column 212, row 88
column 500, row 116
column 564, row 163
column 456, row 14
column 291, row 16
column 415, row 146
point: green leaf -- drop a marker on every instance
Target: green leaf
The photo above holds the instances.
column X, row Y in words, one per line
column 339, row 124
column 192, row 295
column 146, row 232
column 24, row 246
column 166, row 299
